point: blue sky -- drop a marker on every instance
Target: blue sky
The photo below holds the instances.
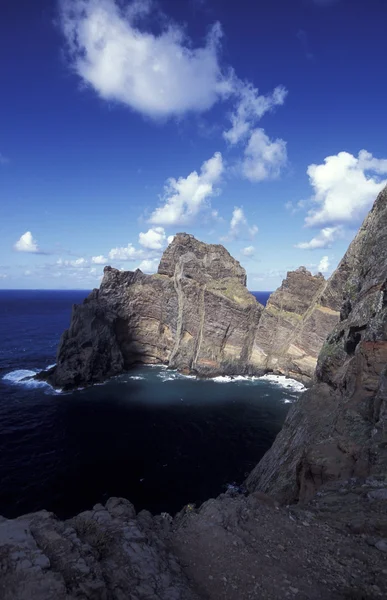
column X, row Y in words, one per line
column 259, row 125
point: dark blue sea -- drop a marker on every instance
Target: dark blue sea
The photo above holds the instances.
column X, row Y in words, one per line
column 156, row 437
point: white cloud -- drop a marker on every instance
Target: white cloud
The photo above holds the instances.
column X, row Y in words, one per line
column 184, row 198
column 77, row 263
column 170, row 239
column 126, row 253
column 324, row 265
column 154, row 239
column 345, row 187
column 323, row 240
column 149, row 265
column 99, row 260
column 26, row 243
column 159, row 75
column 248, row 251
column 263, row 158
column 250, row 109
column 239, row 227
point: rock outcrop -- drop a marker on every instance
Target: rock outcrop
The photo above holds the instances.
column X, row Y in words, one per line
column 338, row 428
column 296, row 322
column 233, row 547
column 195, row 315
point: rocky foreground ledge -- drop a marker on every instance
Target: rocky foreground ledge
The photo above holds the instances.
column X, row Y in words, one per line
column 196, row 315
column 231, row 548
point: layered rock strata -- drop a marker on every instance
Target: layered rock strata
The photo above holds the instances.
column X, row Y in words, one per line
column 338, row 428
column 196, row 315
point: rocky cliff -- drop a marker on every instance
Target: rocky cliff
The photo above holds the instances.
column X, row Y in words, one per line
column 195, row 315
column 330, row 546
column 296, row 322
column 338, row 428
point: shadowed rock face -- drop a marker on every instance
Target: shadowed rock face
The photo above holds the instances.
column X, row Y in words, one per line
column 338, row 428
column 195, row 315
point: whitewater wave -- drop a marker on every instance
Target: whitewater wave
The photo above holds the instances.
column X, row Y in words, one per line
column 25, row 377
column 285, row 382
column 173, row 376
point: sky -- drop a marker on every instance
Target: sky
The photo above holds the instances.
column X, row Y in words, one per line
column 258, row 125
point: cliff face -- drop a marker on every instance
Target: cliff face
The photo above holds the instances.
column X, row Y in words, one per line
column 195, row 315
column 295, row 323
column 338, row 428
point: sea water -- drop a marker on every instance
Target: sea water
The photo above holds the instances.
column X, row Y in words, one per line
column 152, row 435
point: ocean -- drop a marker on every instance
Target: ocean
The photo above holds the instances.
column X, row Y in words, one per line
column 158, row 438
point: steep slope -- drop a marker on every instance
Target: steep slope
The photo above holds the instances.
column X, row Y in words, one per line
column 196, row 315
column 338, row 428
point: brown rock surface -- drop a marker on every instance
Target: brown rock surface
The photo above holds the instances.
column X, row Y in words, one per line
column 196, row 315
column 295, row 324
column 338, row 428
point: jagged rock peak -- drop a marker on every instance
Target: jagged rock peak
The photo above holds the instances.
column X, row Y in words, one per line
column 200, row 261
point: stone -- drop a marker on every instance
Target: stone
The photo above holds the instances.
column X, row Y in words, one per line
column 381, row 545
column 329, row 433
column 195, row 315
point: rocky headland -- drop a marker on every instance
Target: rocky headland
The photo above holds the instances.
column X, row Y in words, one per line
column 196, row 315
column 312, row 523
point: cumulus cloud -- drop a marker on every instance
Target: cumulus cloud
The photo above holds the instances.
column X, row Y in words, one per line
column 170, row 239
column 263, row 158
column 250, row 108
column 324, row 264
column 149, row 265
column 26, row 243
column 324, row 239
column 344, row 187
column 157, row 74
column 239, row 226
column 126, row 253
column 185, row 198
column 99, row 260
column 154, row 238
column 248, row 251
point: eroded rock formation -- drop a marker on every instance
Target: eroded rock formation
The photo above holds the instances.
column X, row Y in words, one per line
column 332, row 545
column 195, row 315
column 338, row 428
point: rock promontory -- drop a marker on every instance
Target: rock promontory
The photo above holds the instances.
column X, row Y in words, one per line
column 196, row 315
column 338, row 428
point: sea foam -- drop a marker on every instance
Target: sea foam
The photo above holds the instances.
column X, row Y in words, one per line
column 25, row 377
